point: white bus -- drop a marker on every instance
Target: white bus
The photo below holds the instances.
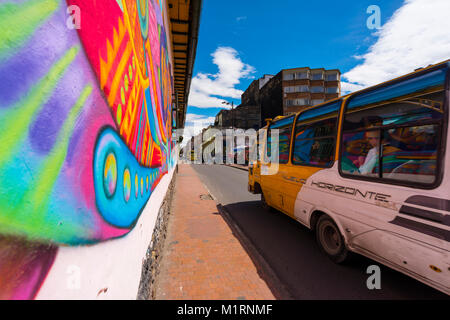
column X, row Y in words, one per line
column 370, row 173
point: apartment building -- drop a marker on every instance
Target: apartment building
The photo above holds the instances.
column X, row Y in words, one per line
column 305, row 87
column 287, row 92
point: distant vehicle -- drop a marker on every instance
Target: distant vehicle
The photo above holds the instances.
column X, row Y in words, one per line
column 370, row 173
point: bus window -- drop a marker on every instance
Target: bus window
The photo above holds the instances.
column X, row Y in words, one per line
column 410, row 153
column 394, row 140
column 315, row 135
column 314, row 143
column 284, row 139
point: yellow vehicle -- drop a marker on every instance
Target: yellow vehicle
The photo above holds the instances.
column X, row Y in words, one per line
column 192, row 157
column 369, row 173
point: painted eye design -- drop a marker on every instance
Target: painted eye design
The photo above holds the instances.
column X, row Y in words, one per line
column 110, row 175
column 126, row 185
column 136, row 185
column 118, row 177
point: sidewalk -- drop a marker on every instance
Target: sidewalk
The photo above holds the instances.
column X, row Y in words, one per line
column 202, row 259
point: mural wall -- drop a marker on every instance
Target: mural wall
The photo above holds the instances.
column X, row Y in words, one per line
column 85, row 128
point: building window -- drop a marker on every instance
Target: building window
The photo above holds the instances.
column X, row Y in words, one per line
column 297, row 102
column 302, row 102
column 332, row 90
column 290, row 102
column 317, row 101
column 301, row 89
column 302, row 75
column 288, row 76
column 332, row 77
column 289, row 89
column 316, row 89
column 317, row 76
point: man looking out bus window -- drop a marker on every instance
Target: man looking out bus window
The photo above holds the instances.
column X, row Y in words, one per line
column 371, row 160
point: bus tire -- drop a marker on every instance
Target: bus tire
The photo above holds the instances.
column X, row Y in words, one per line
column 330, row 239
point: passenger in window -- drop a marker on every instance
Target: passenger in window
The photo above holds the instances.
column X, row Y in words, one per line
column 371, row 160
column 314, row 153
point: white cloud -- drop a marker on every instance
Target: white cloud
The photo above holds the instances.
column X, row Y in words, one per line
column 198, row 118
column 194, row 125
column 350, row 87
column 209, row 90
column 415, row 36
column 203, row 100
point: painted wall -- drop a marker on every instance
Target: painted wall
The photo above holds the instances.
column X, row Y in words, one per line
column 85, row 139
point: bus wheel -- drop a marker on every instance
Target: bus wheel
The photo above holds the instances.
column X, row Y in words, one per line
column 330, row 239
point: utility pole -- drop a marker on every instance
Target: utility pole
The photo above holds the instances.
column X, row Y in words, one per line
column 232, row 113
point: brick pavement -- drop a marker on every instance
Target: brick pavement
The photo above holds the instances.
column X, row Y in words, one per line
column 202, row 259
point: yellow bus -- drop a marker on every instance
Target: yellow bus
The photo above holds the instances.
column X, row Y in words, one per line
column 369, row 173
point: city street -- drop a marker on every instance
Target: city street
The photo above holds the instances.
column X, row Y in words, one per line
column 114, row 116
column 291, row 251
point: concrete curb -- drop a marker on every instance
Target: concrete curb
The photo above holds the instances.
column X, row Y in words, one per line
column 237, row 167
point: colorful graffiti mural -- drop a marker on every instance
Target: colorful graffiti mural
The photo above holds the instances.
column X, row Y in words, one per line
column 85, row 126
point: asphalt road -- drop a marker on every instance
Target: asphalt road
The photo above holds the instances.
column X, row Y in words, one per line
column 292, row 253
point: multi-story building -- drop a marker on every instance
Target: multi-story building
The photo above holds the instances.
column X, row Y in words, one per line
column 250, row 97
column 271, row 99
column 223, row 119
column 288, row 92
column 304, row 87
column 247, row 115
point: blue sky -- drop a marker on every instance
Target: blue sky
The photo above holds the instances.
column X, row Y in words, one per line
column 240, row 41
